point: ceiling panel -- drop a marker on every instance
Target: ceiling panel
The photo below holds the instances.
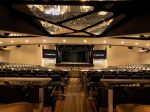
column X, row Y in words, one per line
column 54, row 13
column 52, row 28
column 83, row 22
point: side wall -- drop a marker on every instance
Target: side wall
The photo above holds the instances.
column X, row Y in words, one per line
column 32, row 54
column 27, row 54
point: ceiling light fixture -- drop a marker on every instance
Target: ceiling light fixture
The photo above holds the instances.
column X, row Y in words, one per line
column 147, row 44
column 27, row 41
column 122, row 42
column 85, row 41
column 136, row 43
column 105, row 41
column 44, row 40
column 56, row 10
column 64, row 40
column 102, row 13
column 12, row 41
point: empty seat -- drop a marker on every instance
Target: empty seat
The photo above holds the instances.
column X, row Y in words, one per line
column 27, row 74
column 122, row 75
column 137, row 75
column 146, row 75
column 2, row 73
column 12, row 74
column 41, row 74
column 55, row 77
column 109, row 75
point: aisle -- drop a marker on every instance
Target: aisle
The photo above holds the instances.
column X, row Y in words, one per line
column 76, row 100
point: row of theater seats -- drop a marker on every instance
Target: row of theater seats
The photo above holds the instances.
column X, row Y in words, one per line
column 131, row 67
column 97, row 75
column 122, row 94
column 13, row 66
column 30, row 73
column 29, row 92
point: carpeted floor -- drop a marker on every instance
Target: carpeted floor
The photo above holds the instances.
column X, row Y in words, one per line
column 75, row 99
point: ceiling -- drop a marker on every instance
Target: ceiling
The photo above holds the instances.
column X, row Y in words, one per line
column 105, row 22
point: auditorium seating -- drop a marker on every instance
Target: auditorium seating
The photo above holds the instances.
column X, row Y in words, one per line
column 124, row 94
column 12, row 66
column 29, row 91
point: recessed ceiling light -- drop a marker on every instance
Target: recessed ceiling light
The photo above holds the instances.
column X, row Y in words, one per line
column 12, row 41
column 44, row 40
column 105, row 41
column 64, row 40
column 1, row 42
column 136, row 43
column 85, row 41
column 147, row 44
column 27, row 41
column 122, row 42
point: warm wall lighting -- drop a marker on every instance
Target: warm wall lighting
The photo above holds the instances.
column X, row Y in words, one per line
column 105, row 41
column 12, row 41
column 136, row 43
column 122, row 42
column 85, row 41
column 147, row 44
column 27, row 41
column 64, row 40
column 1, row 42
column 44, row 40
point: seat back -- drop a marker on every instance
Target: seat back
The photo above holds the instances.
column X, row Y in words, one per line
column 2, row 74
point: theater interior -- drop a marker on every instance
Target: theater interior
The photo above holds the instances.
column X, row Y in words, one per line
column 74, row 56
